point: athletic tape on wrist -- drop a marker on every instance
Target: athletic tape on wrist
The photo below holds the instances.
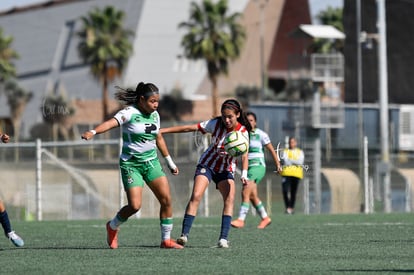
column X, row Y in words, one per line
column 170, row 162
column 244, row 174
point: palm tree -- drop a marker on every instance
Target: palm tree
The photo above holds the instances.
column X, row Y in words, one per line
column 330, row 16
column 17, row 99
column 7, row 54
column 105, row 46
column 57, row 109
column 214, row 36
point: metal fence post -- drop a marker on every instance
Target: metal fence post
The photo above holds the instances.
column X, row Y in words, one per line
column 366, row 183
column 407, row 195
column 38, row 179
column 269, row 196
column 306, row 196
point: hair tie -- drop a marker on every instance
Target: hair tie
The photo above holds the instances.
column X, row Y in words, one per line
column 233, row 106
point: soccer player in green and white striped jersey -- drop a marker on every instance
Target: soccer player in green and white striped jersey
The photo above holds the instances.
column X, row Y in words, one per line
column 139, row 163
column 257, row 169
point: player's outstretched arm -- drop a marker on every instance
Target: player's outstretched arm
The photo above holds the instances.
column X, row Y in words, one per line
column 180, row 129
column 101, row 128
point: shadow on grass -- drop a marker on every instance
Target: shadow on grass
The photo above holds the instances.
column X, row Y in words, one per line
column 376, row 270
column 123, row 247
column 392, row 241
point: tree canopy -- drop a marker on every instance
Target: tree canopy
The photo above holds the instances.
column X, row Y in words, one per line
column 7, row 55
column 333, row 17
column 104, row 45
column 215, row 36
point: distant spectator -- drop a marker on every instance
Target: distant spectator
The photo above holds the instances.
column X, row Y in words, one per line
column 292, row 173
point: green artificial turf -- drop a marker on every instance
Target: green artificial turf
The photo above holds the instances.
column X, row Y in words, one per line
column 315, row 244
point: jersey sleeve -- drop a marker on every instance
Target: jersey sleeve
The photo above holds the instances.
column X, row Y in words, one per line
column 207, row 126
column 157, row 120
column 123, row 116
column 265, row 138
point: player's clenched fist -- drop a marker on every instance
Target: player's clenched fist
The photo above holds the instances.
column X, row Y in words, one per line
column 88, row 134
column 4, row 138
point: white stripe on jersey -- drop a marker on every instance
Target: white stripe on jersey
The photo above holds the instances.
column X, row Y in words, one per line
column 215, row 157
column 258, row 139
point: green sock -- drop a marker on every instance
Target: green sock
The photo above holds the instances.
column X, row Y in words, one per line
column 166, row 228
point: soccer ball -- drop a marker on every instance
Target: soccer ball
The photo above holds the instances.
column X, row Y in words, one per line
column 236, row 143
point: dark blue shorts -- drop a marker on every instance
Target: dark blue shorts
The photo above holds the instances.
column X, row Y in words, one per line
column 211, row 175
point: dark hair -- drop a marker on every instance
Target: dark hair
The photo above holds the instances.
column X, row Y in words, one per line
column 233, row 104
column 251, row 114
column 130, row 96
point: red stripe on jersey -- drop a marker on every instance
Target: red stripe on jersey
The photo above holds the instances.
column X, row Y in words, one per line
column 238, row 126
column 211, row 154
column 221, row 162
column 215, row 156
column 201, row 129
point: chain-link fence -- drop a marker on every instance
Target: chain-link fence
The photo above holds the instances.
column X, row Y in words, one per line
column 80, row 180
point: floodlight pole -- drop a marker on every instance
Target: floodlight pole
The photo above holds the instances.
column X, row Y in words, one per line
column 383, row 100
column 359, row 87
column 262, row 5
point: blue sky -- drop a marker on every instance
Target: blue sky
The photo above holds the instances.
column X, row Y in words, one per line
column 318, row 5
column 7, row 4
column 315, row 5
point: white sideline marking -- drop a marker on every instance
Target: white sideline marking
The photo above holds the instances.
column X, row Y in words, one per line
column 369, row 223
column 133, row 225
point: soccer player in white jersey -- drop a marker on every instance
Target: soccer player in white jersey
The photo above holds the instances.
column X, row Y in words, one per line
column 4, row 217
column 257, row 169
column 216, row 165
column 138, row 162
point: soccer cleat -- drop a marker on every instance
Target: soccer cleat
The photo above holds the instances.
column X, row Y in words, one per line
column 237, row 223
column 15, row 239
column 111, row 236
column 182, row 240
column 289, row 211
column 265, row 222
column 223, row 243
column 171, row 244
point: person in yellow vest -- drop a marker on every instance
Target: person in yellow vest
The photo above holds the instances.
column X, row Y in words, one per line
column 292, row 172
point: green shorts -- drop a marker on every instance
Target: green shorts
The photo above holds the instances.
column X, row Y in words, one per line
column 135, row 173
column 256, row 173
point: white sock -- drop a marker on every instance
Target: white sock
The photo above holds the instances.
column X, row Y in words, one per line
column 261, row 210
column 244, row 209
column 166, row 228
column 116, row 222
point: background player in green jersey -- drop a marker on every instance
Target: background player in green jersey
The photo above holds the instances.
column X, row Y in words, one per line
column 139, row 163
column 257, row 169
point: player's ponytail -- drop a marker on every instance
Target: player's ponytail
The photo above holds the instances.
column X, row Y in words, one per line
column 130, row 97
column 243, row 120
